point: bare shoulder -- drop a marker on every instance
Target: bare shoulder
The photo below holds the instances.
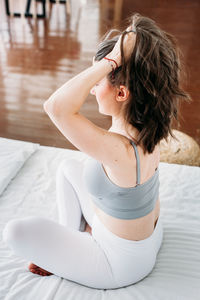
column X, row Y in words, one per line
column 123, row 172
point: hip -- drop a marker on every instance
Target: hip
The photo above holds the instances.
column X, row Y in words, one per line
column 130, row 260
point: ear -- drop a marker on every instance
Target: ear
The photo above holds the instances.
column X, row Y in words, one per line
column 122, row 93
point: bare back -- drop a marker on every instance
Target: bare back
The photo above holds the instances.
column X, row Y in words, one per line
column 124, row 175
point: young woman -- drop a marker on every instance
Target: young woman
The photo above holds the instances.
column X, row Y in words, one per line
column 135, row 78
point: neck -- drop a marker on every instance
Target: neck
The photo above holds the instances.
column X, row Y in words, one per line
column 118, row 126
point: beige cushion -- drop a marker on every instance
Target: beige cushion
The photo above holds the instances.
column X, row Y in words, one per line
column 186, row 151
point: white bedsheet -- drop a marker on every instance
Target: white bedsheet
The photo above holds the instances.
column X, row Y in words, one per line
column 13, row 154
column 176, row 275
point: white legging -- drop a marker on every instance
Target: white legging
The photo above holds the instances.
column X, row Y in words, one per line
column 101, row 260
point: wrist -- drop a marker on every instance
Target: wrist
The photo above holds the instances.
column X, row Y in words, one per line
column 115, row 59
column 107, row 65
column 113, row 63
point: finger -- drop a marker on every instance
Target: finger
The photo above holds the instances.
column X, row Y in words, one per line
column 129, row 28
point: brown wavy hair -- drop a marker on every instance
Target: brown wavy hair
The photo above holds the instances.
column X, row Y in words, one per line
column 152, row 76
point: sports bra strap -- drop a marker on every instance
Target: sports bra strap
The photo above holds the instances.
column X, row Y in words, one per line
column 138, row 161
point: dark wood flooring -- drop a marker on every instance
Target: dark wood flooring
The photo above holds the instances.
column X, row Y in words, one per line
column 38, row 55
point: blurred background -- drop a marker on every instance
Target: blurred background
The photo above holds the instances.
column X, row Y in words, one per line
column 39, row 54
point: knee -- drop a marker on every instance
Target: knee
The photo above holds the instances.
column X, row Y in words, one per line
column 69, row 166
column 17, row 231
column 12, row 231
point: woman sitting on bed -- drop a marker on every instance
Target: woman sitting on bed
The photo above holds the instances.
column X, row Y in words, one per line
column 135, row 78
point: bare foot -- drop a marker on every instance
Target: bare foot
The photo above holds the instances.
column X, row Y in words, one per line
column 37, row 270
column 88, row 228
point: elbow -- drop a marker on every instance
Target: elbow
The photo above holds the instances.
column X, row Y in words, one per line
column 48, row 107
column 45, row 106
column 54, row 109
column 51, row 109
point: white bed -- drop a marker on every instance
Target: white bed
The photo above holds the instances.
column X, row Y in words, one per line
column 27, row 187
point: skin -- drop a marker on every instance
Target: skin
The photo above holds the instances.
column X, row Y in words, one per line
column 111, row 100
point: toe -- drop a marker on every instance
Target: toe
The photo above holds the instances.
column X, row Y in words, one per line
column 37, row 270
column 32, row 266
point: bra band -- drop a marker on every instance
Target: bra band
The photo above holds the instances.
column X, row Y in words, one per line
column 138, row 162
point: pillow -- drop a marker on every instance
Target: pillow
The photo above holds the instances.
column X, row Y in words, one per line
column 13, row 154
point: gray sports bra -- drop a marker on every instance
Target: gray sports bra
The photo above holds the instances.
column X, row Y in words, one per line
column 119, row 202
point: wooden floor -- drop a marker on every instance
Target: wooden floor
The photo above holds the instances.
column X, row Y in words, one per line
column 38, row 56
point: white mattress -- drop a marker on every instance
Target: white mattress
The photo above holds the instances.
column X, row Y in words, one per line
column 176, row 274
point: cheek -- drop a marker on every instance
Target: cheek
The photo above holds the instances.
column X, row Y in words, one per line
column 102, row 93
column 105, row 94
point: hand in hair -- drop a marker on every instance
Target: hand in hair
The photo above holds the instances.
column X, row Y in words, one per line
column 128, row 38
